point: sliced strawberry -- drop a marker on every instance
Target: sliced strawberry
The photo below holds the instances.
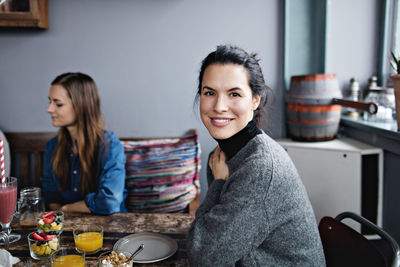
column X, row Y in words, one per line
column 50, row 237
column 47, row 221
column 43, row 235
column 48, row 214
column 37, row 237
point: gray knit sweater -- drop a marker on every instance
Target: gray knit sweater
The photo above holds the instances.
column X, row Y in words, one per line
column 261, row 216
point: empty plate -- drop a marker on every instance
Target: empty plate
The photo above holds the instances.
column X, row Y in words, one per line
column 157, row 247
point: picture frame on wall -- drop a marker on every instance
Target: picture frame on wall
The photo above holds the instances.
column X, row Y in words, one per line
column 24, row 13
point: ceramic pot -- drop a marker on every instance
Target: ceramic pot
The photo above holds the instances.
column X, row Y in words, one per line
column 396, row 84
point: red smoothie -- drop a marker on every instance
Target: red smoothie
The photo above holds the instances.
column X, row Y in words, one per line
column 8, row 200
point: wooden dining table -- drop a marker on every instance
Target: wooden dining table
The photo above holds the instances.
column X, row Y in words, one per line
column 116, row 226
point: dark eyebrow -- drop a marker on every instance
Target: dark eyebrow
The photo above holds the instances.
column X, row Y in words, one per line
column 207, row 87
column 235, row 88
column 232, row 89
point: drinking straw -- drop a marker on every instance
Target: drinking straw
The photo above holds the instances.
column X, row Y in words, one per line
column 3, row 171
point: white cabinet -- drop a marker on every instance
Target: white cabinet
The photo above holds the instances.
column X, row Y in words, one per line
column 340, row 175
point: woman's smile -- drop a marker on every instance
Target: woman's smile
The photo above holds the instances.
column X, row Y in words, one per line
column 220, row 122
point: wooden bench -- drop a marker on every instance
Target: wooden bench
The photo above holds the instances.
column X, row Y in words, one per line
column 27, row 157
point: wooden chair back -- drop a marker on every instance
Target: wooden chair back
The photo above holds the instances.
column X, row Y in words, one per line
column 343, row 246
column 27, row 156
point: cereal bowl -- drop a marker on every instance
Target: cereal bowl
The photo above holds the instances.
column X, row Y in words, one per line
column 111, row 258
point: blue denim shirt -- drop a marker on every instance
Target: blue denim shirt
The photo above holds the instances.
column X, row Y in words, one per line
column 110, row 179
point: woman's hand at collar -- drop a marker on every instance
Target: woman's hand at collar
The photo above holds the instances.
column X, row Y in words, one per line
column 218, row 165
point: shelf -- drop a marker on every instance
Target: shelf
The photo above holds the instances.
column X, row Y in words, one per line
column 337, row 144
column 381, row 130
column 34, row 14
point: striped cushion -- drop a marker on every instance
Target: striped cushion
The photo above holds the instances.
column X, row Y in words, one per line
column 162, row 175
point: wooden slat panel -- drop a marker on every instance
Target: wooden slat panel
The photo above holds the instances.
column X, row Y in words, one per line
column 28, row 141
column 31, row 171
column 38, row 169
column 16, row 167
column 24, row 168
column 27, row 150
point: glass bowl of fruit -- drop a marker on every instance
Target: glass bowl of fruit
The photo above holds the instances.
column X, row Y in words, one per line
column 51, row 222
column 41, row 245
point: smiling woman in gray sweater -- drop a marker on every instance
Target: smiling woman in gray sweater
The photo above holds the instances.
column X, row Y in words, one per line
column 256, row 211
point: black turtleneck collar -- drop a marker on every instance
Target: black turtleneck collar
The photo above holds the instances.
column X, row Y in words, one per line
column 233, row 144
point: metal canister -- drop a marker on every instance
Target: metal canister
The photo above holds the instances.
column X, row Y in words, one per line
column 353, row 95
column 384, row 98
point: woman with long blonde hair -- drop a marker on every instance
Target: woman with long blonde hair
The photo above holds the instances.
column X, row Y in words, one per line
column 84, row 165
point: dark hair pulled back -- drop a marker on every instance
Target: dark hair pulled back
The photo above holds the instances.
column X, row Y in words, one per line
column 227, row 54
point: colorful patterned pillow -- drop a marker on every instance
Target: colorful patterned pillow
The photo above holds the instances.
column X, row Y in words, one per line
column 162, row 175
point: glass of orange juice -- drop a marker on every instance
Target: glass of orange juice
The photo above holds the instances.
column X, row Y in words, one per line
column 88, row 237
column 67, row 257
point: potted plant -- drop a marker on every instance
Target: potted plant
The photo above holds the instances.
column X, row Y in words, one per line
column 395, row 62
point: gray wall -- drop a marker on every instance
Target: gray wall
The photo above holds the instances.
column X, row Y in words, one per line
column 145, row 56
column 352, row 40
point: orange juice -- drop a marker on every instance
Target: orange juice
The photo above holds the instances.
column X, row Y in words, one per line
column 89, row 241
column 69, row 260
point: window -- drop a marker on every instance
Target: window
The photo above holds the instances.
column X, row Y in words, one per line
column 396, row 28
column 389, row 39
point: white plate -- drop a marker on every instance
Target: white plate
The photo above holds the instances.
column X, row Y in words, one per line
column 157, row 247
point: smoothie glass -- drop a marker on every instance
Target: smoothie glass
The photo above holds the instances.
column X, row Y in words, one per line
column 8, row 202
column 88, row 238
column 67, row 257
